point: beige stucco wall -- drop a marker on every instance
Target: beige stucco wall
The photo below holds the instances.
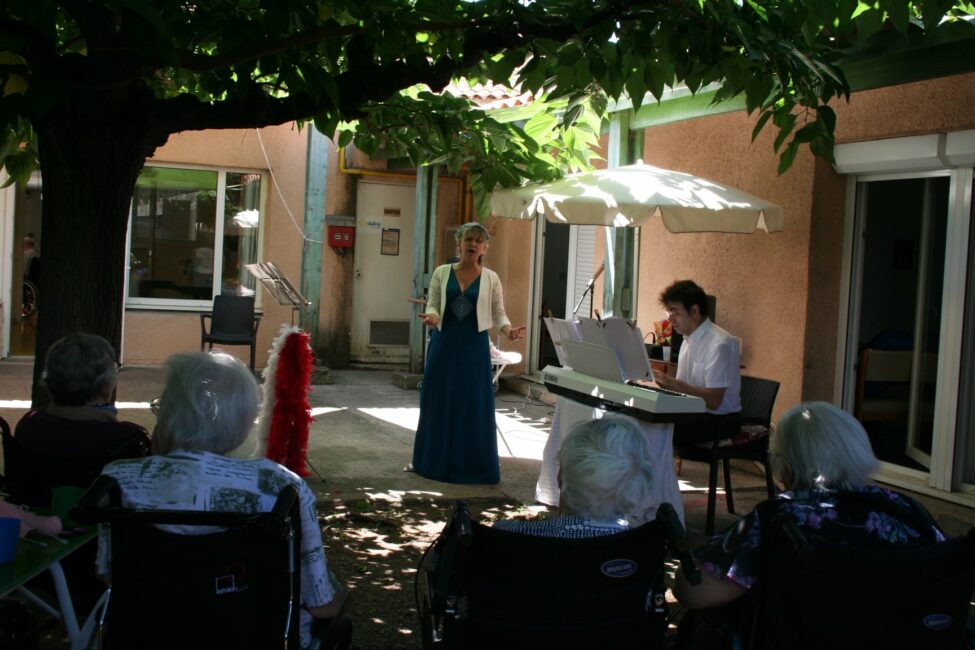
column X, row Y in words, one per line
column 510, row 256
column 934, row 106
column 151, row 335
column 760, row 279
column 780, row 292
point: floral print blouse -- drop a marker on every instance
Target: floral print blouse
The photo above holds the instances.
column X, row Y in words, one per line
column 736, row 554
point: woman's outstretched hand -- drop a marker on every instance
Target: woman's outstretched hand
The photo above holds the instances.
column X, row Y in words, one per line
column 430, row 320
column 515, row 333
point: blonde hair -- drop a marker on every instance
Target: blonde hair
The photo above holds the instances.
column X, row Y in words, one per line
column 472, row 225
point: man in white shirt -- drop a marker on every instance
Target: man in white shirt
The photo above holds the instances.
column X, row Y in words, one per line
column 707, row 366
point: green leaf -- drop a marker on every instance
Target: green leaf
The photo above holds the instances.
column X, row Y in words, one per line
column 788, row 156
column 869, row 23
column 541, row 126
column 760, row 124
column 899, row 12
column 655, row 79
column 636, row 88
column 827, row 117
column 786, row 122
column 758, row 9
column 19, row 165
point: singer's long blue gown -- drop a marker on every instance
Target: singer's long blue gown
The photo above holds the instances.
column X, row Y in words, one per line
column 455, row 439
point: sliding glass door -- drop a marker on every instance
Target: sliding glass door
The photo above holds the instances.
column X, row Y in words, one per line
column 908, row 314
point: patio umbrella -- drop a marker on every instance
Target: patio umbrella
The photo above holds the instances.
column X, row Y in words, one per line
column 632, row 195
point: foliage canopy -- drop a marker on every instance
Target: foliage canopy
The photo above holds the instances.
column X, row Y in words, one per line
column 363, row 66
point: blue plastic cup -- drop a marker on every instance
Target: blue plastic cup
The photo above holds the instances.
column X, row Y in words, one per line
column 9, row 534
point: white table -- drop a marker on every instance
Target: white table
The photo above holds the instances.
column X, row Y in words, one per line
column 568, row 413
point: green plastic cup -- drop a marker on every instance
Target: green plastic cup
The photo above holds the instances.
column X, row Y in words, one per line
column 63, row 499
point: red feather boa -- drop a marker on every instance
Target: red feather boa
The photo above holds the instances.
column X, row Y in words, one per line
column 288, row 441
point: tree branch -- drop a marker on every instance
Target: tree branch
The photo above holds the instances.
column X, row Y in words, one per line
column 203, row 63
column 255, row 110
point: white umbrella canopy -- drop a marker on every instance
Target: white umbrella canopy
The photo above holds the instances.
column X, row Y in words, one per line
column 632, row 195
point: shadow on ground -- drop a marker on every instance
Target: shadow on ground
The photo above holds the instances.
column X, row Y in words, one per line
column 376, row 547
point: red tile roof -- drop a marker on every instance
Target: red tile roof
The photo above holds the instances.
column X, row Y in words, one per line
column 489, row 96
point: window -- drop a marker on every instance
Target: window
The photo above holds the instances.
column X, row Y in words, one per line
column 192, row 231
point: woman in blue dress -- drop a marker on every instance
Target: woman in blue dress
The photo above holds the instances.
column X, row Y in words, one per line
column 456, row 440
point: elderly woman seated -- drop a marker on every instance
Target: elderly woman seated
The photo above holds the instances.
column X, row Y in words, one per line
column 817, row 450
column 68, row 442
column 206, row 410
column 605, row 479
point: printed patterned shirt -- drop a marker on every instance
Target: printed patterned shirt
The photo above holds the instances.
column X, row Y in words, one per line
column 198, row 480
column 736, row 554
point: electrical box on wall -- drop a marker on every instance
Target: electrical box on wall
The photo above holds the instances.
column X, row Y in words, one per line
column 340, row 231
column 341, row 236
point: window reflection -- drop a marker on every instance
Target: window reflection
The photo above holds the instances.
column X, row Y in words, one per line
column 177, row 216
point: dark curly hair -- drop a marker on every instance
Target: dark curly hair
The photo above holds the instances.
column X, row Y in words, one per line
column 687, row 293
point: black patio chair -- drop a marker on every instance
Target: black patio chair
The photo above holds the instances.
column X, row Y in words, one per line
column 749, row 443
column 479, row 587
column 232, row 322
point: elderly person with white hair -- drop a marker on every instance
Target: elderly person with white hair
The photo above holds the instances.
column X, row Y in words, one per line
column 818, row 451
column 606, row 482
column 206, row 410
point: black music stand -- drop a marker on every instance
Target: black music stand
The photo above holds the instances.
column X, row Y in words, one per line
column 278, row 286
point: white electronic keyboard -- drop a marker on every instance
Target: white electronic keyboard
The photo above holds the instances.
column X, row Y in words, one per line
column 651, row 404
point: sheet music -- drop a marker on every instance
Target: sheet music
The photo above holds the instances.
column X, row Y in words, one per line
column 562, row 330
column 625, row 338
column 277, row 284
column 592, row 331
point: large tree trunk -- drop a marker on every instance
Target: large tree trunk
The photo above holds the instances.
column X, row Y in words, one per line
column 90, row 157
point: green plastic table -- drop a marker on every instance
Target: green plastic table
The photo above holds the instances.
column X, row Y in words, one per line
column 39, row 553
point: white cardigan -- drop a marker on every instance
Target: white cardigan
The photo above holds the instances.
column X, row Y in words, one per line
column 490, row 298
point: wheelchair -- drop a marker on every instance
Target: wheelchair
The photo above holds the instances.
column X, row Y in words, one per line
column 28, row 305
column 816, row 593
column 480, row 587
column 235, row 588
column 846, row 597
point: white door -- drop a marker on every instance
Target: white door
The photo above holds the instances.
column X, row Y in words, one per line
column 383, row 273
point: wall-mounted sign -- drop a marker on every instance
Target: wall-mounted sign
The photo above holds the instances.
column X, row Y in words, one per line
column 374, row 223
column 390, row 243
column 391, row 212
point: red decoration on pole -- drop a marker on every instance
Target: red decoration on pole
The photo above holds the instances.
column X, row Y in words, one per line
column 291, row 414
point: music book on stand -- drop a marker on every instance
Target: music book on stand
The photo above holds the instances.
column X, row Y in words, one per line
column 278, row 285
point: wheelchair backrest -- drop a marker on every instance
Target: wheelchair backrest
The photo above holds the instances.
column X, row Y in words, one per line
column 509, row 589
column 236, row 588
column 825, row 594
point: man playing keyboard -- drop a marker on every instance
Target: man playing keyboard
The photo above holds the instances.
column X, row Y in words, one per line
column 707, row 366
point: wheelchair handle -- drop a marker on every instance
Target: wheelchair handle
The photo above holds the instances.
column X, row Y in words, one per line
column 677, row 539
column 462, row 519
column 104, row 487
column 788, row 524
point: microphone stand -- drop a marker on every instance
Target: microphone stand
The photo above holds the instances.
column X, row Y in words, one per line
column 582, row 298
